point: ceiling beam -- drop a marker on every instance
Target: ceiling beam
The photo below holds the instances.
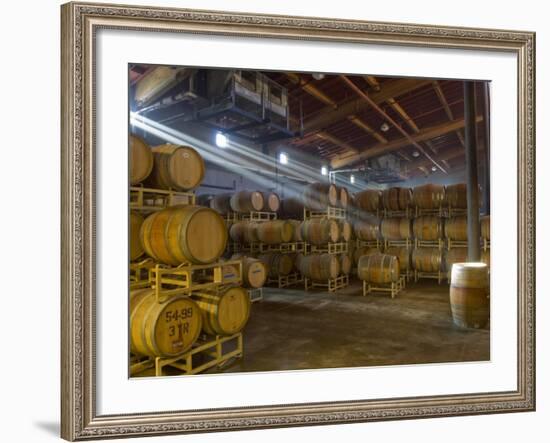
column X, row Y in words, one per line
column 373, row 83
column 384, row 148
column 448, row 111
column 384, row 115
column 324, row 135
column 367, row 128
column 312, row 90
column 392, row 88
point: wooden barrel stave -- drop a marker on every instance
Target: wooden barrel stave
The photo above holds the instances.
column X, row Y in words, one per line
column 395, row 228
column 318, row 196
column 378, row 268
column 135, row 222
column 320, row 267
column 427, row 259
column 320, row 231
column 429, row 196
column 223, row 313
column 246, row 201
column 428, row 228
column 469, row 295
column 275, row 232
column 456, row 228
column 141, row 160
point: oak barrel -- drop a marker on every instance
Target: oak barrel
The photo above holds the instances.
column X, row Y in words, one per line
column 319, row 231
column 367, row 230
column 345, row 264
column 320, row 267
column 396, row 199
column 220, row 203
column 136, row 250
column 162, row 329
column 427, row 259
column 247, row 201
column 469, row 294
column 368, row 200
column 363, row 250
column 486, row 258
column 277, row 264
column 378, row 268
column 244, row 232
column 428, row 196
column 176, row 167
column 223, row 313
column 346, row 230
column 428, row 228
column 455, row 196
column 275, row 232
column 141, row 160
column 297, row 234
column 485, row 227
column 404, row 256
column 180, row 234
column 456, row 228
column 318, row 196
column 396, row 228
column 343, row 197
column 254, row 271
column 272, row 202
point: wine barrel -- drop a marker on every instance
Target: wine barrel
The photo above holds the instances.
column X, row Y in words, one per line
column 345, row 264
column 367, row 230
column 254, row 271
column 136, row 250
column 456, row 228
column 396, row 228
column 320, row 267
column 456, row 255
column 343, row 197
column 368, row 200
column 455, row 196
column 176, row 167
column 486, row 227
column 396, row 199
column 428, row 196
column 223, row 313
column 297, row 234
column 204, row 199
column 469, row 295
column 318, row 196
column 221, row 203
column 428, row 228
column 244, row 232
column 298, row 261
column 427, row 259
column 162, row 329
column 141, row 160
column 275, row 232
column 378, row 268
column 277, row 264
column 272, row 202
column 247, row 201
column 319, row 231
column 346, row 230
column 363, row 250
column 291, row 208
column 404, row 256
column 180, row 234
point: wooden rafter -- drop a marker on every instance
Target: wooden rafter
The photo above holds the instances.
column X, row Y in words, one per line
column 311, row 89
column 373, row 83
column 367, row 128
column 394, row 145
column 392, row 88
column 447, row 108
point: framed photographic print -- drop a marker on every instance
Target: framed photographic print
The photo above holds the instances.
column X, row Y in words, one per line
column 283, row 221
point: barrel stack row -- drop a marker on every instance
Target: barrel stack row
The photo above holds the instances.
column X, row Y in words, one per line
column 186, row 242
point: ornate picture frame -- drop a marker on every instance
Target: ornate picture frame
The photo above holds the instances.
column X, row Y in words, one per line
column 80, row 22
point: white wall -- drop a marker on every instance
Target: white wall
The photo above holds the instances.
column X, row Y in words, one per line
column 29, row 122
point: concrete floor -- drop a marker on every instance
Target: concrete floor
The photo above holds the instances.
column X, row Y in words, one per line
column 293, row 329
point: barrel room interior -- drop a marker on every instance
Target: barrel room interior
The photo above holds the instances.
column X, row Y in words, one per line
column 300, row 221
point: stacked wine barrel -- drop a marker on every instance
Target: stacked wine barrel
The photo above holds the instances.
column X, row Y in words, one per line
column 182, row 236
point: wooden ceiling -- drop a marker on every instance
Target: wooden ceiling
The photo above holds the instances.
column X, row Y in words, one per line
column 423, row 116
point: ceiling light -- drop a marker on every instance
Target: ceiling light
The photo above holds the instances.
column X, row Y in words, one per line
column 352, row 179
column 416, row 154
column 434, row 168
column 318, row 76
column 324, row 170
column 385, row 127
column 283, row 158
column 221, row 140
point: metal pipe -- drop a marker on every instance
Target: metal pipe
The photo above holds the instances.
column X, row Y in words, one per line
column 392, row 121
column 487, row 152
column 472, row 188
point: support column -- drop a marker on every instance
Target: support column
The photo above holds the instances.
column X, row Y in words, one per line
column 487, row 151
column 472, row 187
